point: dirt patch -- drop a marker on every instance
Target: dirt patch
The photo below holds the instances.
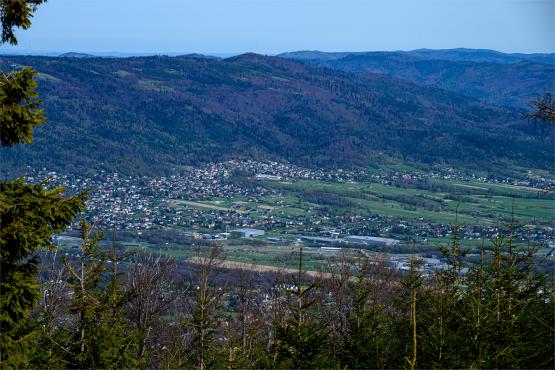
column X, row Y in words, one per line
column 471, row 186
column 519, row 187
column 264, row 206
column 202, row 205
column 258, row 268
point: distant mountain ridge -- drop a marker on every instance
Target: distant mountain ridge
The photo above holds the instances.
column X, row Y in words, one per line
column 72, row 54
column 460, row 55
column 199, row 56
column 152, row 115
column 509, row 80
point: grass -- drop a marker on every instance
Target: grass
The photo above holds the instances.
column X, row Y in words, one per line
column 480, row 204
column 470, row 202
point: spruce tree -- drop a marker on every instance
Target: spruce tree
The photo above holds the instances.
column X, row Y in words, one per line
column 366, row 339
column 101, row 337
column 29, row 214
column 203, row 317
column 440, row 313
column 301, row 338
column 517, row 306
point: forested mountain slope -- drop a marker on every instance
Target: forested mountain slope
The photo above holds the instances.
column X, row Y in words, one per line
column 482, row 55
column 157, row 114
column 495, row 78
column 460, row 54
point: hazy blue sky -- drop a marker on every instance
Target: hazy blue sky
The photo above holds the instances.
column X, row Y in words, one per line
column 271, row 26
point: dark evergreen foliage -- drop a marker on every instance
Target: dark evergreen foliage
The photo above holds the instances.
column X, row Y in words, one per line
column 101, row 338
column 29, row 214
column 19, row 109
column 16, row 14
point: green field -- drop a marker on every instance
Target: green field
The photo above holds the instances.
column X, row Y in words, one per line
column 300, row 207
column 474, row 203
column 315, row 203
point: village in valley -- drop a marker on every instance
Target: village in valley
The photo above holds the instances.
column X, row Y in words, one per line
column 267, row 209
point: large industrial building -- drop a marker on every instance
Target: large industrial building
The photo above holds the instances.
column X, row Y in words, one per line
column 262, row 176
column 371, row 240
column 318, row 239
column 246, row 233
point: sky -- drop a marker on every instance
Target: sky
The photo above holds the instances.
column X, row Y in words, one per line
column 272, row 26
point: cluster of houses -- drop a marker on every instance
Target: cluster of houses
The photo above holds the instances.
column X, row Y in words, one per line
column 141, row 203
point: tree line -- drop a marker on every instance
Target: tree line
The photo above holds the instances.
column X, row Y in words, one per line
column 105, row 308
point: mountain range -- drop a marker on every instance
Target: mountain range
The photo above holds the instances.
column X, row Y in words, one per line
column 454, row 55
column 509, row 80
column 155, row 115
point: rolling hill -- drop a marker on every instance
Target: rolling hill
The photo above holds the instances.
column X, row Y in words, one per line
column 72, row 54
column 509, row 80
column 152, row 115
column 454, row 55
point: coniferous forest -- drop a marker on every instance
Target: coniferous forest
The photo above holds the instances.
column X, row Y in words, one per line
column 107, row 307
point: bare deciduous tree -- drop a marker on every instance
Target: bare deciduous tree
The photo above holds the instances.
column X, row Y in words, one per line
column 544, row 110
column 153, row 290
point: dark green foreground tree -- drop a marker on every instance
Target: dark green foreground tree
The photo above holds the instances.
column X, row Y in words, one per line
column 29, row 214
column 100, row 338
column 301, row 335
column 19, row 107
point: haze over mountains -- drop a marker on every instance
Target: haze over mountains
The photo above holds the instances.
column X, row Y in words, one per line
column 152, row 115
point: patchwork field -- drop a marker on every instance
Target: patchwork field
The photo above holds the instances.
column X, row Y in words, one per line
column 471, row 203
column 380, row 208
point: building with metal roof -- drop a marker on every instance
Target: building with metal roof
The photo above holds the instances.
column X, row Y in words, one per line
column 371, row 240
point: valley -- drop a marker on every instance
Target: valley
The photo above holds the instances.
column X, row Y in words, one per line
column 294, row 206
column 181, row 189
